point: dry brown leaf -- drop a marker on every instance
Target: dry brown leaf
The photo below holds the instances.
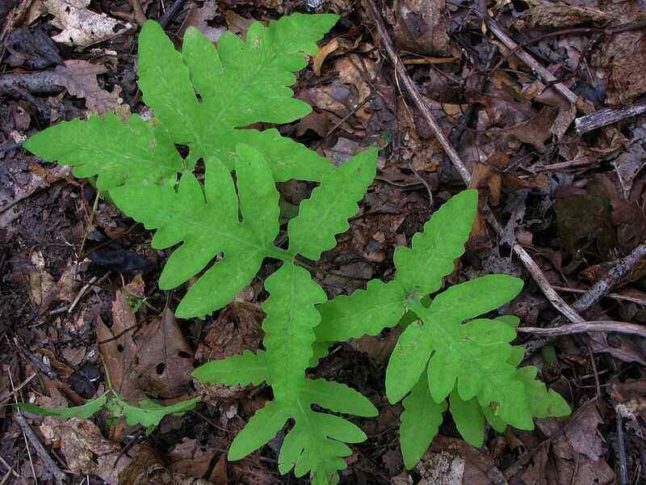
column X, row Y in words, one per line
column 190, row 458
column 237, row 328
column 82, row 27
column 322, row 54
column 118, row 348
column 558, row 14
column 451, row 461
column 421, row 26
column 148, row 468
column 237, row 23
column 79, row 78
column 87, row 452
column 164, row 360
column 199, row 18
column 573, row 453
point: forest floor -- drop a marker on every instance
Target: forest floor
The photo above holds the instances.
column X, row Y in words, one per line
column 570, row 193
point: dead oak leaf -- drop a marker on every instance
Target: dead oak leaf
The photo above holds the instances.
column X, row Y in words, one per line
column 154, row 360
column 80, row 79
column 82, row 27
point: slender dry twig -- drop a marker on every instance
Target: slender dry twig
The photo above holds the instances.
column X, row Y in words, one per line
column 413, row 92
column 582, row 105
column 614, row 296
column 604, row 285
column 587, row 327
column 608, row 116
column 621, row 452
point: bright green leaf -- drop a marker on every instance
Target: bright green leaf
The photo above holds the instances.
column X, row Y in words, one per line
column 119, row 152
column 430, row 258
column 85, row 411
column 407, row 362
column 261, row 428
column 364, row 312
column 149, row 413
column 468, row 419
column 338, row 397
column 289, row 328
column 325, row 214
column 476, row 297
column 239, row 370
column 420, row 421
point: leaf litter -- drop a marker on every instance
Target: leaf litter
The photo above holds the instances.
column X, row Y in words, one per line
column 519, row 137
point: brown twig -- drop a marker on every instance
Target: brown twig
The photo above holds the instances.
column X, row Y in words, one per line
column 50, row 464
column 614, row 296
column 587, row 327
column 30, row 436
column 582, row 105
column 608, row 116
column 604, row 285
column 413, row 92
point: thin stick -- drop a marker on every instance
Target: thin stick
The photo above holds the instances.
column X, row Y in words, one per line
column 413, row 92
column 9, row 467
column 587, row 327
column 621, row 451
column 604, row 285
column 608, row 116
column 583, row 106
column 614, row 296
column 24, row 435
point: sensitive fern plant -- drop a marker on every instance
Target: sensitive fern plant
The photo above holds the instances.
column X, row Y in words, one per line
column 224, row 214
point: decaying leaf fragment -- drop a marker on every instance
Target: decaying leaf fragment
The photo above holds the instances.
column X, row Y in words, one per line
column 82, row 27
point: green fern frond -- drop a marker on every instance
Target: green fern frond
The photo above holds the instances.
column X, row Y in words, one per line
column 239, row 83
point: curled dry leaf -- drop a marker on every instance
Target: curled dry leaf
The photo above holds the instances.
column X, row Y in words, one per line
column 82, row 27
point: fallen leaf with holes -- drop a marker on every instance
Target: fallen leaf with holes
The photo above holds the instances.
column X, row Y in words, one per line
column 154, row 360
column 118, row 348
column 164, row 359
column 82, row 27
